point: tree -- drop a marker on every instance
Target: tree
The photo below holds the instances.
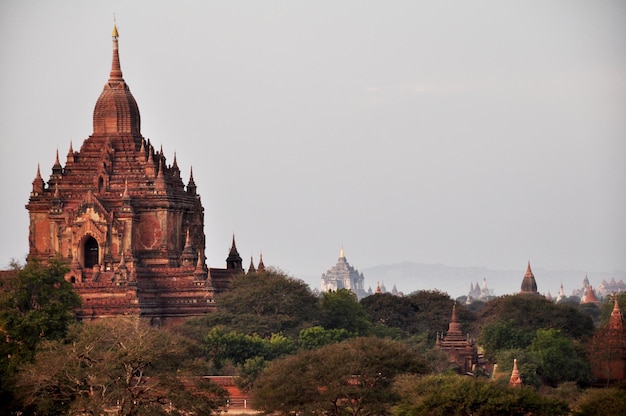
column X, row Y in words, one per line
column 433, row 313
column 601, row 402
column 239, row 348
column 119, row 365
column 36, row 304
column 559, row 358
column 503, row 335
column 316, row 337
column 352, row 377
column 532, row 312
column 263, row 303
column 340, row 309
column 526, row 364
column 391, row 311
column 465, row 396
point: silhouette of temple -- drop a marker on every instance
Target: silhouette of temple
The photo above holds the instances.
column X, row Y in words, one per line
column 343, row 276
column 130, row 229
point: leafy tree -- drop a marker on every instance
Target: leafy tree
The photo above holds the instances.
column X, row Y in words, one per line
column 341, row 310
column 119, row 365
column 433, row 312
column 352, row 377
column 503, row 335
column 601, row 402
column 460, row 396
column 532, row 312
column 239, row 348
column 558, row 358
column 36, row 304
column 391, row 311
column 592, row 310
column 526, row 364
column 263, row 303
column 316, row 337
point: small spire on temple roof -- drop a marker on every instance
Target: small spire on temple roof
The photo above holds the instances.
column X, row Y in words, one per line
column 56, row 162
column 233, row 247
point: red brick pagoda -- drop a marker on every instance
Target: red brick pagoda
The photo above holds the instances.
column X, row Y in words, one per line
column 461, row 350
column 130, row 229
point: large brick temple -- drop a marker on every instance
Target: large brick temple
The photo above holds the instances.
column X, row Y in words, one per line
column 130, row 229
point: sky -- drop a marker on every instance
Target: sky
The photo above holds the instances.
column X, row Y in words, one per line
column 482, row 133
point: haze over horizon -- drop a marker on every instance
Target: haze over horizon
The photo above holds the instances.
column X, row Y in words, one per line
column 466, row 134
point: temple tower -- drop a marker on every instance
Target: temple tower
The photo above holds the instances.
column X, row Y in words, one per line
column 343, row 276
column 460, row 349
column 529, row 285
column 131, row 230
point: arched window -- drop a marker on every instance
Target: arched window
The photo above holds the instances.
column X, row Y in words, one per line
column 91, row 252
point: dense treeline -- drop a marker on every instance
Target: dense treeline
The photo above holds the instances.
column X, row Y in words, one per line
column 294, row 351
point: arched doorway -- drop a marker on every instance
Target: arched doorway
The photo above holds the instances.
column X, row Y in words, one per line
column 90, row 252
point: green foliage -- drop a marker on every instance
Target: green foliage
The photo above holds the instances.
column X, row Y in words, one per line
column 341, row 310
column 526, row 364
column 36, row 304
column 592, row 310
column 239, row 348
column 460, row 396
column 503, row 335
column 558, row 358
column 316, row 337
column 433, row 312
column 602, row 402
column 531, row 312
column 265, row 303
column 351, row 377
column 391, row 311
column 115, row 364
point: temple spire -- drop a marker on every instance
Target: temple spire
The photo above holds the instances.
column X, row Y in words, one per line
column 529, row 284
column 261, row 266
column 191, row 185
column 38, row 183
column 234, row 261
column 116, row 69
column 516, row 379
column 251, row 269
column 615, row 321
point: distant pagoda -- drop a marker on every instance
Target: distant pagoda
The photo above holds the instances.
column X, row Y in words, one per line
column 343, row 276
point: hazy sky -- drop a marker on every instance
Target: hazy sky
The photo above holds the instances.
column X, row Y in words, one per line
column 468, row 133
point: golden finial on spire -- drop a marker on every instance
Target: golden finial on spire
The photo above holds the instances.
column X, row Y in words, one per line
column 341, row 253
column 114, row 34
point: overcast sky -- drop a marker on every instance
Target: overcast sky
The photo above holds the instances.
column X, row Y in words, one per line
column 468, row 133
